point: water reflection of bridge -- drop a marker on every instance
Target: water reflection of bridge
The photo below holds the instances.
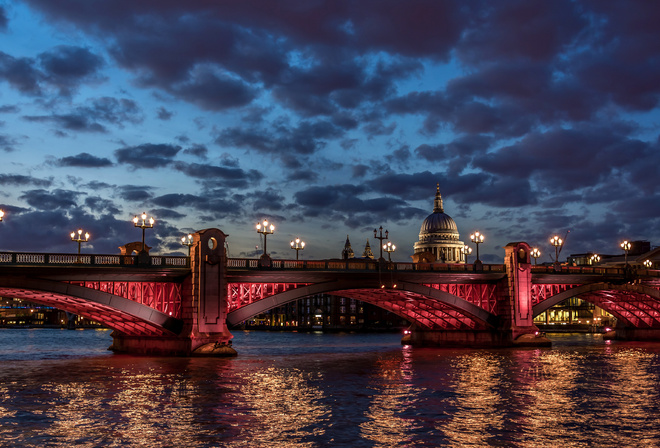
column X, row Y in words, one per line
column 181, row 305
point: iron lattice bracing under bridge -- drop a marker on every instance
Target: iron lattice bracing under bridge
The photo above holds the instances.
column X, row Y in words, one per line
column 431, row 296
column 110, row 289
column 634, row 305
column 437, row 296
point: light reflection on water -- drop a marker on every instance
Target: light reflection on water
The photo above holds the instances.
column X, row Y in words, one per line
column 316, row 390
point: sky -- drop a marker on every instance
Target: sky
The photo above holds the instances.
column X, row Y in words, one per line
column 329, row 118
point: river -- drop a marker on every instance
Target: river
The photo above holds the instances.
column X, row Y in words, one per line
column 60, row 388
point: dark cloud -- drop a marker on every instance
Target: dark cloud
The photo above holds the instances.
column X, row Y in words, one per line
column 84, row 160
column 4, row 21
column 343, row 203
column 22, row 180
column 91, row 118
column 42, row 199
column 67, row 66
column 99, row 205
column 230, row 177
column 9, row 108
column 147, row 155
column 164, row 114
column 134, row 193
column 20, row 74
column 200, row 151
column 282, row 140
column 7, row 143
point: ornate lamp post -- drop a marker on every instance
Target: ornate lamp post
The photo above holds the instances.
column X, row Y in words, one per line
column 265, row 229
column 594, row 259
column 626, row 247
column 648, row 264
column 144, row 224
column 297, row 245
column 381, row 238
column 557, row 242
column 466, row 250
column 389, row 248
column 477, row 238
column 535, row 254
column 78, row 238
column 187, row 241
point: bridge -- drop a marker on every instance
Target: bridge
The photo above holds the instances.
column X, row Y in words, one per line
column 186, row 305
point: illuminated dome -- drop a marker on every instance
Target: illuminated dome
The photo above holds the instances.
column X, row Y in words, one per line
column 439, row 237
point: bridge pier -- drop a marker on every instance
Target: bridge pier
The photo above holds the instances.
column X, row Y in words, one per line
column 633, row 334
column 204, row 305
column 515, row 326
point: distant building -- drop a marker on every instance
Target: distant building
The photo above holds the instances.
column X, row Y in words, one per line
column 439, row 239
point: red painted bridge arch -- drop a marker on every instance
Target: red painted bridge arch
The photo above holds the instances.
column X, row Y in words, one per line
column 425, row 306
column 116, row 312
column 634, row 305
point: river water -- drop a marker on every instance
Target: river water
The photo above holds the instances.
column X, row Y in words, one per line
column 63, row 388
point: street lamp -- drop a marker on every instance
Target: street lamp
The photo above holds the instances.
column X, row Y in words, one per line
column 265, row 229
column 144, row 224
column 389, row 248
column 477, row 238
column 626, row 247
column 594, row 259
column 297, row 245
column 2, row 213
column 466, row 250
column 557, row 242
column 78, row 238
column 535, row 254
column 381, row 238
column 187, row 241
column 648, row 264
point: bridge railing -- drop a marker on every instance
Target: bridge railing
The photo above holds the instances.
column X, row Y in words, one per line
column 41, row 259
column 361, row 265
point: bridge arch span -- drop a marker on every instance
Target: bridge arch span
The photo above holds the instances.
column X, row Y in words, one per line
column 634, row 304
column 128, row 317
column 424, row 306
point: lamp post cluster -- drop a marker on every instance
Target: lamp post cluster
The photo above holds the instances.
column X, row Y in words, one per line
column 477, row 238
column 297, row 245
column 626, row 246
column 466, row 250
column 187, row 241
column 389, row 248
column 143, row 224
column 78, row 238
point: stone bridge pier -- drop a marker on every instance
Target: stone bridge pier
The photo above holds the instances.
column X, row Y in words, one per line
column 204, row 305
column 514, row 321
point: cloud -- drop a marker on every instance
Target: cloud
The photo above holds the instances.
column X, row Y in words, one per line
column 67, row 66
column 147, row 155
column 84, row 160
column 42, row 199
column 22, row 180
column 4, row 21
column 20, row 73
column 91, row 118
column 134, row 193
column 7, row 143
column 229, row 177
column 164, row 114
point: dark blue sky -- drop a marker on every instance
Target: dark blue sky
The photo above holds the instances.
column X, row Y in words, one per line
column 329, row 118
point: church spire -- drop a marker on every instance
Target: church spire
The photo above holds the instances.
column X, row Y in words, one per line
column 437, row 203
column 348, row 251
column 367, row 251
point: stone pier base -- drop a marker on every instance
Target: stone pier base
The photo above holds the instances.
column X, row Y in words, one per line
column 474, row 338
column 205, row 345
column 633, row 334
